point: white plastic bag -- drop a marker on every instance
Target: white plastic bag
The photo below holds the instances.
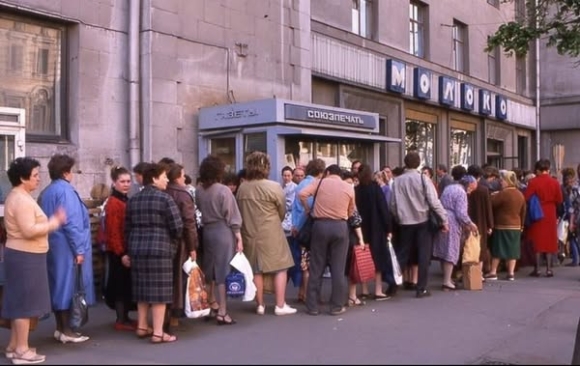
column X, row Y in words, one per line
column 563, row 226
column 241, row 263
column 397, row 273
column 196, row 301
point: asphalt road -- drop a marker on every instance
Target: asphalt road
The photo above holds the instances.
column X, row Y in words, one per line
column 528, row 321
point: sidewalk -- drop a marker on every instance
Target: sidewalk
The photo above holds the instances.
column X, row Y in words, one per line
column 528, row 321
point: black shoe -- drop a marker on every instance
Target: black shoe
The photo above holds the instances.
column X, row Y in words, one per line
column 423, row 293
column 392, row 290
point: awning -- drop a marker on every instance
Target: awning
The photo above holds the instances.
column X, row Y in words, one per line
column 334, row 133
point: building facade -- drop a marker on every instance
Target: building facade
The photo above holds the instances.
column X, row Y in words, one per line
column 116, row 82
column 560, row 108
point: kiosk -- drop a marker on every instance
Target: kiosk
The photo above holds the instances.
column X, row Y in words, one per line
column 292, row 133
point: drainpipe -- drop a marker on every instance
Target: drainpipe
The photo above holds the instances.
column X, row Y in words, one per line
column 538, row 144
column 133, row 35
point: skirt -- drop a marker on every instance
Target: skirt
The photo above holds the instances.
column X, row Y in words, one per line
column 505, row 244
column 218, row 251
column 152, row 279
column 118, row 287
column 26, row 293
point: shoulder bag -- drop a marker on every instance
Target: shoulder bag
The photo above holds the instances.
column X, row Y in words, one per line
column 305, row 234
column 435, row 222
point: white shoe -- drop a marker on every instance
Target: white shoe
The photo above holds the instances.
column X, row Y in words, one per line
column 261, row 310
column 56, row 335
column 78, row 339
column 284, row 310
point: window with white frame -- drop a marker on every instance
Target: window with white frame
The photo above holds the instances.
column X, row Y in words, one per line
column 417, row 28
column 362, row 17
column 460, row 47
column 33, row 74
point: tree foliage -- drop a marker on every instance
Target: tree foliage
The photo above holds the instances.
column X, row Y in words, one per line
column 557, row 21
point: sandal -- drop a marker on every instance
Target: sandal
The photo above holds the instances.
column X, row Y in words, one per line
column 382, row 297
column 164, row 338
column 10, row 353
column 144, row 332
column 213, row 312
column 27, row 358
column 225, row 320
column 355, row 302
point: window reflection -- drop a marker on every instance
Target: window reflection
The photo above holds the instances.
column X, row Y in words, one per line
column 225, row 149
column 461, row 147
column 299, row 151
column 7, row 149
column 420, row 137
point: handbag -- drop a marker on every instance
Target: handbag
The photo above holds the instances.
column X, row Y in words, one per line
column 362, row 267
column 435, row 222
column 196, row 298
column 305, row 234
column 235, row 284
column 471, row 249
column 79, row 309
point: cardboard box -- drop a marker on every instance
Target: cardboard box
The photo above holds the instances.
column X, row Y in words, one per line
column 472, row 277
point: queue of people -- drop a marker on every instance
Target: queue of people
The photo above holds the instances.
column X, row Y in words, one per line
column 154, row 226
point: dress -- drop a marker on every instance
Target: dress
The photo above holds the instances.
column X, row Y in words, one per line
column 543, row 233
column 447, row 246
column 221, row 219
column 152, row 226
column 72, row 239
column 263, row 205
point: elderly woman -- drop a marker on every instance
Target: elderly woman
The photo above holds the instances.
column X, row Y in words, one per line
column 509, row 212
column 447, row 245
column 69, row 246
column 221, row 233
column 152, row 226
column 263, row 206
column 26, row 293
column 187, row 246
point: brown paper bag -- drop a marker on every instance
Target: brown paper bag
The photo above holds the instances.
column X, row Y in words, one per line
column 471, row 249
column 472, row 277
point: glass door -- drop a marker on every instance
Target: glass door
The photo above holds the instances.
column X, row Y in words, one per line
column 12, row 143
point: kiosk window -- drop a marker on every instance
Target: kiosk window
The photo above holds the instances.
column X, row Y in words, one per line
column 297, row 152
column 254, row 142
column 420, row 136
column 351, row 151
column 225, row 149
column 462, row 143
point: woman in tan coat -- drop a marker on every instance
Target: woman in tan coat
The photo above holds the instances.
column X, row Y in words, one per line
column 263, row 206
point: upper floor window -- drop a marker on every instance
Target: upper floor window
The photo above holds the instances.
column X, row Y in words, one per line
column 521, row 75
column 33, row 74
column 417, row 20
column 362, row 17
column 493, row 67
column 520, row 10
column 460, row 47
column 494, row 3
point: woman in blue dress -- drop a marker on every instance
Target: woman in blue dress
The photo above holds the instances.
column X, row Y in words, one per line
column 68, row 246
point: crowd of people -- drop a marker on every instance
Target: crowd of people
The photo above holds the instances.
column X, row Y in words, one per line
column 155, row 224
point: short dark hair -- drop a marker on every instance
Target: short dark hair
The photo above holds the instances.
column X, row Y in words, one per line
column 333, row 169
column 211, row 170
column 354, row 162
column 365, row 174
column 442, row 167
column 398, row 170
column 60, row 164
column 542, row 165
column 412, row 160
column 315, row 167
column 188, row 179
column 140, row 167
column 458, row 172
column 117, row 171
column 242, row 174
column 287, row 168
column 152, row 170
column 230, row 178
column 21, row 169
column 346, row 174
column 174, row 172
column 475, row 170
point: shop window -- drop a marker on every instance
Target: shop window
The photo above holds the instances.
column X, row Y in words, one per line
column 225, row 149
column 523, row 162
column 34, row 72
column 495, row 153
column 297, row 152
column 420, row 137
column 462, row 144
column 351, row 151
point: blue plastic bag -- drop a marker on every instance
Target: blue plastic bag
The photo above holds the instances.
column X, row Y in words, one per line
column 235, row 284
column 535, row 212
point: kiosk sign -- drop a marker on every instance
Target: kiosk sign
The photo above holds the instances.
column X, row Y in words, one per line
column 329, row 116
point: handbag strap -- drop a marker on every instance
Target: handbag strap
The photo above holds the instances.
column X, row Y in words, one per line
column 425, row 192
column 315, row 194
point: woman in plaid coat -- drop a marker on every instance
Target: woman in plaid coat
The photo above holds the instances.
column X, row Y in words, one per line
column 153, row 225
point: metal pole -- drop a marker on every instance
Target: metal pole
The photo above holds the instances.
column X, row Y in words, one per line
column 538, row 143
